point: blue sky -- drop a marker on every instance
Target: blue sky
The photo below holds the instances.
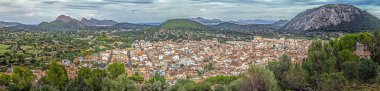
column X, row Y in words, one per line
column 143, row 11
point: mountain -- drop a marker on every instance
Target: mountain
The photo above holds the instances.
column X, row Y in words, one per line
column 9, row 24
column 280, row 23
column 333, row 17
column 62, row 22
column 206, row 21
column 244, row 28
column 182, row 24
column 240, row 22
column 256, row 21
column 125, row 25
column 96, row 22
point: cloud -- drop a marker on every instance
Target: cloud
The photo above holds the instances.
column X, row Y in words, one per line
column 35, row 11
column 131, row 1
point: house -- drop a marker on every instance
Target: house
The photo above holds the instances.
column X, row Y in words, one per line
column 362, row 51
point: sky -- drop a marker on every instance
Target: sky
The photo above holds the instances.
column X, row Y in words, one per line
column 154, row 11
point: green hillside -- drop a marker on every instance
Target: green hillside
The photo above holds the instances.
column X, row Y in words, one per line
column 182, row 24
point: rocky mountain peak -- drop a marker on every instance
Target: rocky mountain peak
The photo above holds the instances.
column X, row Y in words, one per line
column 332, row 17
column 64, row 18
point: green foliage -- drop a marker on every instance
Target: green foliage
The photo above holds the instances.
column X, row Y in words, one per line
column 137, row 78
column 296, row 78
column 208, row 67
column 188, row 85
column 351, row 70
column 182, row 24
column 21, row 79
column 121, row 83
column 345, row 56
column 47, row 87
column 330, row 82
column 221, row 88
column 157, row 77
column 279, row 68
column 56, row 76
column 5, row 79
column 375, row 47
column 368, row 69
column 259, row 79
column 320, row 58
column 116, row 69
column 3, row 48
column 347, row 41
column 221, row 79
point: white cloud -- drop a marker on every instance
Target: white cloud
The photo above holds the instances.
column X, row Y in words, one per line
column 35, row 11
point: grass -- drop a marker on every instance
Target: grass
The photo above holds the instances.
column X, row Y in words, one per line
column 3, row 48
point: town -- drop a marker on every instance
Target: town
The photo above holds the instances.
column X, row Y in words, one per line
column 196, row 60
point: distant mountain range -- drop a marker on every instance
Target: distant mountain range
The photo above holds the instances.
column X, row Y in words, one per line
column 64, row 22
column 333, row 17
column 9, row 24
column 126, row 25
column 96, row 22
column 326, row 18
column 244, row 28
column 240, row 22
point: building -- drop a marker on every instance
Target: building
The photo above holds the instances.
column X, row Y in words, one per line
column 362, row 51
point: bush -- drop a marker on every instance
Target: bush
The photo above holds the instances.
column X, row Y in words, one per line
column 368, row 70
column 259, row 79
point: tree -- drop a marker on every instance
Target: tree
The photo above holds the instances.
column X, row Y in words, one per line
column 157, row 77
column 188, row 85
column 351, row 70
column 47, row 87
column 137, row 78
column 375, row 47
column 235, row 85
column 368, row 69
column 98, row 75
column 296, row 78
column 345, row 56
column 5, row 79
column 182, row 85
column 21, row 79
column 279, row 68
column 56, row 76
column 221, row 88
column 116, row 69
column 221, row 79
column 319, row 59
column 259, row 79
column 84, row 77
column 330, row 82
column 121, row 83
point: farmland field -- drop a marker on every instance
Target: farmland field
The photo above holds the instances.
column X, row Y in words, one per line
column 3, row 48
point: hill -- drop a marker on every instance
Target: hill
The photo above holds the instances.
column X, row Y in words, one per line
column 182, row 24
column 332, row 18
column 96, row 22
column 62, row 23
column 131, row 26
column 9, row 24
column 244, row 28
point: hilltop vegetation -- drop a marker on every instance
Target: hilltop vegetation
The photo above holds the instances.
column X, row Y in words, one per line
column 182, row 24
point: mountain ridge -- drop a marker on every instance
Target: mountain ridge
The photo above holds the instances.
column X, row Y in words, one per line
column 333, row 17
